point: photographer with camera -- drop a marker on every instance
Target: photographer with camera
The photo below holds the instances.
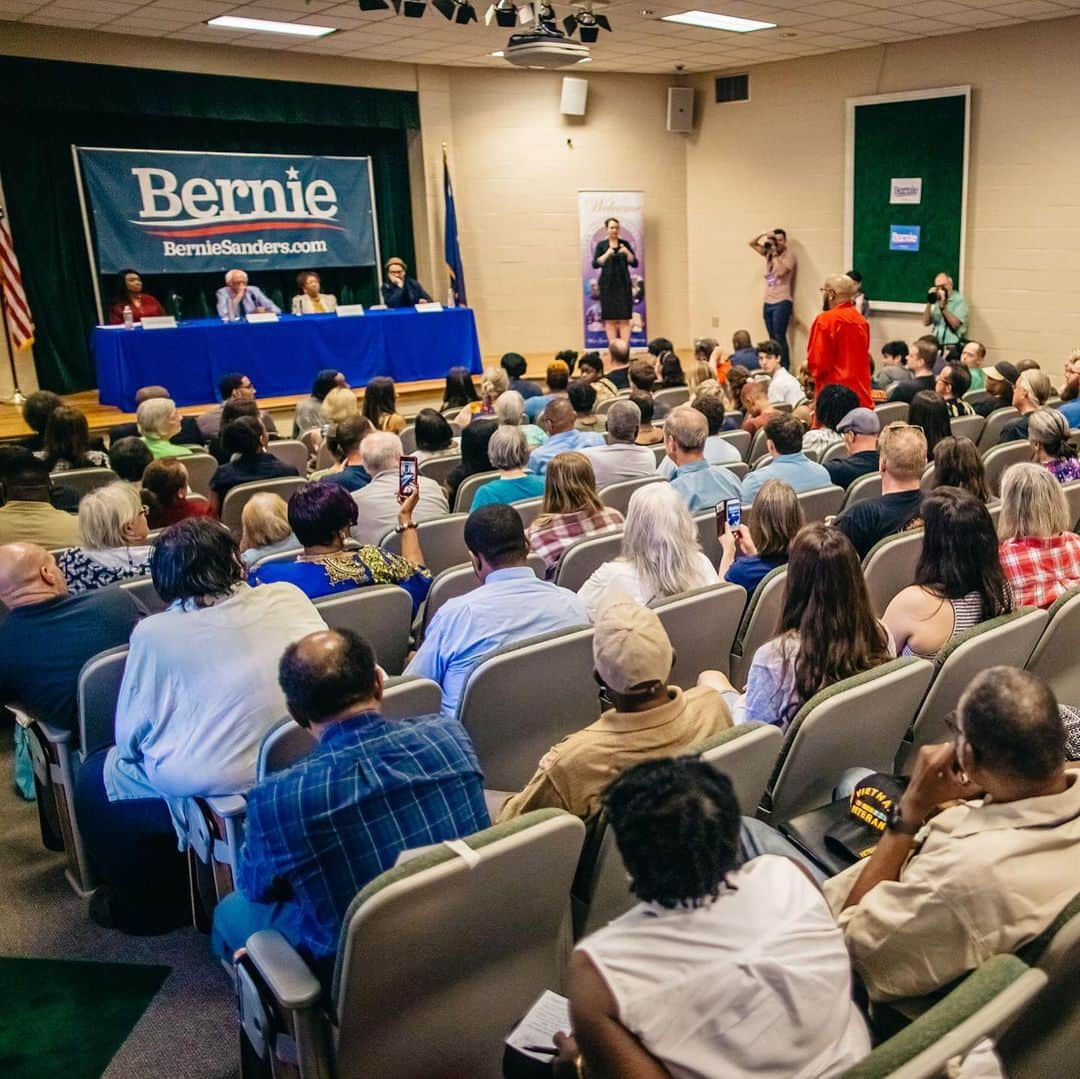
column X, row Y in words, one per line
column 779, row 282
column 947, row 311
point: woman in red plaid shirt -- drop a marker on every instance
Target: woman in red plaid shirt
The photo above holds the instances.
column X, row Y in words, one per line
column 572, row 509
column 1039, row 551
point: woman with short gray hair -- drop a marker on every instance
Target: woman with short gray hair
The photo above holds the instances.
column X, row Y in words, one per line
column 112, row 522
column 510, row 412
column 1048, row 433
column 159, row 421
column 509, row 452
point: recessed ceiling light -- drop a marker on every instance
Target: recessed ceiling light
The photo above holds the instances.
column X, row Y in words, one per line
column 268, row 26
column 712, row 21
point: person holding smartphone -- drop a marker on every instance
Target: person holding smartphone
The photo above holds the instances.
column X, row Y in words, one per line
column 752, row 550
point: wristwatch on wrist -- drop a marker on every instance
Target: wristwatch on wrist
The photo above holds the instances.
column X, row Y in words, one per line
column 402, row 527
column 896, row 822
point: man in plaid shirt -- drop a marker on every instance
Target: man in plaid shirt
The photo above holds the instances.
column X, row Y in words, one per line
column 317, row 832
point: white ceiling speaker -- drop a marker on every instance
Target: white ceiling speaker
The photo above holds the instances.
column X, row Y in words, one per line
column 680, row 109
column 575, row 93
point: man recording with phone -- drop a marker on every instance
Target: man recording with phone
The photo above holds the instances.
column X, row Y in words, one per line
column 946, row 311
column 780, row 265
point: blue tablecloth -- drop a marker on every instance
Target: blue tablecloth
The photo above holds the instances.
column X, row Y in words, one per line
column 282, row 358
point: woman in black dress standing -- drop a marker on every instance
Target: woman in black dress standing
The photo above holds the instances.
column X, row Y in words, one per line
column 613, row 258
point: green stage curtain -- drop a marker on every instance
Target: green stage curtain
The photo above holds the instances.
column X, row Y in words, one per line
column 51, row 106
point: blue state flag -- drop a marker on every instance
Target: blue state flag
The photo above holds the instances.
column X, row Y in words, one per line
column 451, row 248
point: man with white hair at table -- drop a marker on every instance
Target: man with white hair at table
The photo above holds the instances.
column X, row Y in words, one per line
column 239, row 299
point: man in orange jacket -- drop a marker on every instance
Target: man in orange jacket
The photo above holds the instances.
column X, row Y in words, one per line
column 839, row 346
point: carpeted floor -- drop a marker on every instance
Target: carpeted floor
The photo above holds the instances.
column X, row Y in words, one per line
column 189, row 1029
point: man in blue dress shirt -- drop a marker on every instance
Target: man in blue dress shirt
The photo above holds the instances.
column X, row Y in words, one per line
column 784, row 439
column 317, row 832
column 512, row 605
column 238, row 299
column 700, row 484
column 558, row 419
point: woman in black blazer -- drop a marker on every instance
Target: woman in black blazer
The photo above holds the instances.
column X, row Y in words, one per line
column 613, row 258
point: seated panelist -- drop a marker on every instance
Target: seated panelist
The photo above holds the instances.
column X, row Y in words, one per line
column 238, row 298
column 311, row 301
column 399, row 290
column 129, row 293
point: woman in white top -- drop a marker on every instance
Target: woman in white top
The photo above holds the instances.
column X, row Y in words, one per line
column 112, row 523
column 311, row 301
column 720, row 970
column 660, row 556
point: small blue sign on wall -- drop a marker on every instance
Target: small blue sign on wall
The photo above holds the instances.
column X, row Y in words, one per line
column 904, row 237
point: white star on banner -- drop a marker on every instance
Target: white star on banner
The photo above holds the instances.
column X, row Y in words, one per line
column 292, row 173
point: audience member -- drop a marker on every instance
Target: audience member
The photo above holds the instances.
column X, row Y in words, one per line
column 1033, row 390
column 347, row 440
column 36, row 410
column 434, row 435
column 244, row 441
column 921, row 360
column 902, row 452
column 648, row 718
column 658, row 346
column 698, row 374
column 700, row 485
column 474, row 455
column 510, row 411
column 894, row 367
column 583, row 401
column 509, row 453
column 174, row 738
column 619, row 371
column 743, row 351
column 952, row 383
column 784, row 440
column 647, row 435
column 784, row 388
column 159, row 421
column 317, row 832
column 460, row 390
column 188, row 435
column 558, row 382
column 572, row 509
column 643, row 377
column 713, row 954
column 591, row 370
column 838, row 349
column 48, row 634
column 704, row 347
column 380, row 405
column 321, row 516
column 761, row 544
column 1039, row 551
column 558, row 419
column 757, row 407
column 1000, row 385
column 231, row 387
column 929, row 411
column 827, row 631
column 166, row 481
column 241, row 408
column 621, row 458
column 512, row 605
column 1070, row 388
column 943, row 893
column 378, row 501
column 1049, row 434
column 958, row 583
column 265, row 528
column 128, row 458
column 859, row 430
column 308, row 415
column 67, row 442
column 731, row 388
column 831, row 405
column 28, row 514
column 338, row 405
column 957, row 464
column 514, row 365
column 112, row 523
column 972, row 356
column 671, row 371
column 661, row 555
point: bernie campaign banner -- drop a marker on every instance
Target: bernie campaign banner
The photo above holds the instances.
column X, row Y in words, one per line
column 169, row 211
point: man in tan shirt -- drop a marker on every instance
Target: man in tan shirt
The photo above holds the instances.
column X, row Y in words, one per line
column 633, row 658
column 27, row 515
column 941, row 894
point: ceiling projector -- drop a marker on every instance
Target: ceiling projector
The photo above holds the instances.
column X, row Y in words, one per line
column 544, row 47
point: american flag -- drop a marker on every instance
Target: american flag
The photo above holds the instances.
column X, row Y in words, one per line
column 19, row 320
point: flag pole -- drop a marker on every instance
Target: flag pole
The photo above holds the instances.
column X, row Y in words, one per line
column 17, row 398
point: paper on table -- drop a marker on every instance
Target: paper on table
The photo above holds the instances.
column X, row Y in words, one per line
column 549, row 1015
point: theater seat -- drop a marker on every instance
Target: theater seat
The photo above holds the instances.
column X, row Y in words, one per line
column 617, row 496
column 889, row 567
column 239, row 496
column 442, row 540
column 701, row 625
column 1054, row 658
column 437, row 469
column 82, row 480
column 435, row 963
column 200, row 469
column 290, row 451
column 862, row 490
column 584, row 556
column 996, row 422
column 759, row 622
column 381, row 614
column 997, row 459
column 967, row 427
column 463, row 500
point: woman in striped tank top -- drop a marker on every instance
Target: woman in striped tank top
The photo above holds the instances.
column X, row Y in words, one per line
column 959, row 581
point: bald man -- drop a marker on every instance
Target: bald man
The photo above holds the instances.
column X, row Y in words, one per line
column 839, row 347
column 49, row 635
column 317, row 832
column 558, row 419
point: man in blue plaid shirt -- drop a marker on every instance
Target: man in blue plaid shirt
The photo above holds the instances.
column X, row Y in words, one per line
column 319, row 831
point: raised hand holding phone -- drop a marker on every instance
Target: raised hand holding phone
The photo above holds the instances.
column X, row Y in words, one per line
column 408, row 471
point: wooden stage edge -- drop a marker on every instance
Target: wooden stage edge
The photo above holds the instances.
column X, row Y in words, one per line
column 412, row 396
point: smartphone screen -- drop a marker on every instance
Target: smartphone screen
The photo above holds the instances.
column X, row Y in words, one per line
column 734, row 513
column 407, row 469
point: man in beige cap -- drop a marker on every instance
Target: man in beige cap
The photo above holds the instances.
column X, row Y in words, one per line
column 633, row 658
column 400, row 290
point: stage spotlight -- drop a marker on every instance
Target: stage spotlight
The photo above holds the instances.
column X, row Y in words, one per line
column 587, row 25
column 455, row 10
column 544, row 14
column 373, row 5
column 503, row 13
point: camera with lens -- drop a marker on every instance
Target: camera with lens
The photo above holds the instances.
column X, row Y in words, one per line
column 933, row 295
column 769, row 245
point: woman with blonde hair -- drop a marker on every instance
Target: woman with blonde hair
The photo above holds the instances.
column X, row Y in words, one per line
column 112, row 523
column 339, row 404
column 758, row 546
column 572, row 509
column 1048, row 433
column 493, row 384
column 265, row 528
column 697, row 373
column 1039, row 552
column 660, row 556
